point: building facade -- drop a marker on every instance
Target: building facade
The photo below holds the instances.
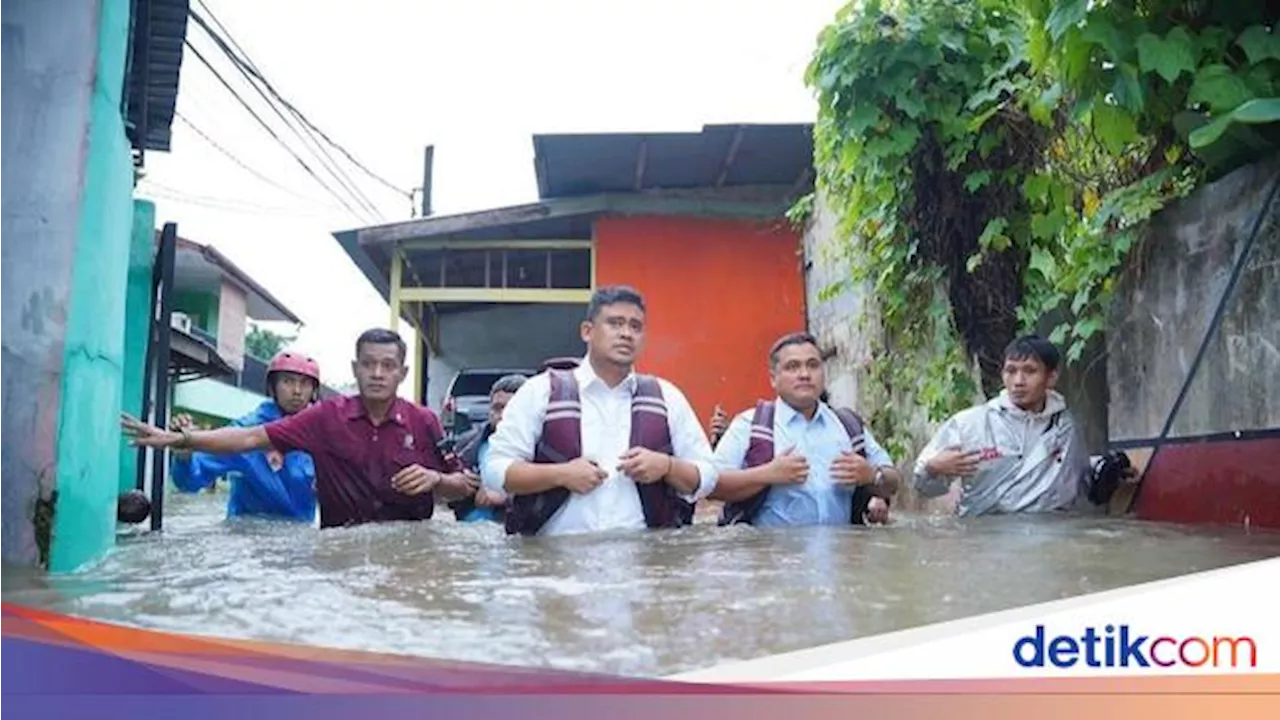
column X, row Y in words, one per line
column 695, row 221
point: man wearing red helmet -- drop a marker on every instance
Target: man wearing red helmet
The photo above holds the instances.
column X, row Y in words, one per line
column 264, row 483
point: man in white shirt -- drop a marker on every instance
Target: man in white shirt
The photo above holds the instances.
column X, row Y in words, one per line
column 600, row 447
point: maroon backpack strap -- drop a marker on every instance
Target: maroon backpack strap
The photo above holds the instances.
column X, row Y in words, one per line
column 651, row 428
column 759, row 451
column 650, row 424
column 560, row 441
column 853, row 425
column 561, row 437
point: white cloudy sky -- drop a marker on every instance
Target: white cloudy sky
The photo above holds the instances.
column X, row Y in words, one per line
column 476, row 78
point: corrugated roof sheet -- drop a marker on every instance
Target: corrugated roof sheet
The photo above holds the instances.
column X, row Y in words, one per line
column 159, row 28
column 718, row 156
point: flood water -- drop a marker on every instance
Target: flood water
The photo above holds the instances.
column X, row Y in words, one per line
column 650, row 604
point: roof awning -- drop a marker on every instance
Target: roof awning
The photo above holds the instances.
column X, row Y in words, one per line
column 191, row 358
column 720, row 156
column 155, row 62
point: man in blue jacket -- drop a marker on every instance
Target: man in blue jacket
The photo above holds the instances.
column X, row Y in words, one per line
column 264, row 483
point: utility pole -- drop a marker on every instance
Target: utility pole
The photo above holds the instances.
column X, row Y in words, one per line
column 427, row 159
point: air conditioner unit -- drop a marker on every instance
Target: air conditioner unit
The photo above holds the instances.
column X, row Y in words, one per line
column 180, row 321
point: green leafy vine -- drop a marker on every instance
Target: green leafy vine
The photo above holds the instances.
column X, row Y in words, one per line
column 992, row 162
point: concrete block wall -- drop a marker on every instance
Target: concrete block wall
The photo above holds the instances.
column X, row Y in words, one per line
column 1165, row 303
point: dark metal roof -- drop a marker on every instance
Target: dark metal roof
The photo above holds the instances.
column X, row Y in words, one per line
column 155, row 61
column 718, row 156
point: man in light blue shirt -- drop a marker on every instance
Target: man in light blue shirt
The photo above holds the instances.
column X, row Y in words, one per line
column 798, row 461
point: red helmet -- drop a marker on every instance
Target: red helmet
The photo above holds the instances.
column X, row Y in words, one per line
column 286, row 361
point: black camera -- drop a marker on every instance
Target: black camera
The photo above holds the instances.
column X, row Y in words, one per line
column 1108, row 473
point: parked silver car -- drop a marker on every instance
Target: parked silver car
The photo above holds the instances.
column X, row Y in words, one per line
column 466, row 402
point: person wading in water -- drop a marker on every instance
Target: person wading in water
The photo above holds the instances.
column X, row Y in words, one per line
column 486, row 504
column 376, row 455
column 600, row 447
column 1018, row 452
column 830, row 470
column 265, row 484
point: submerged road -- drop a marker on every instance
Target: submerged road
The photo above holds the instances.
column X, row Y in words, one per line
column 651, row 604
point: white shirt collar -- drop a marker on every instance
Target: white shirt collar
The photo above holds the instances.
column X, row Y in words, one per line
column 586, row 375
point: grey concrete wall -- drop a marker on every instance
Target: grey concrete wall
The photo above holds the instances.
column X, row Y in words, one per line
column 502, row 336
column 836, row 312
column 49, row 56
column 1166, row 300
column 845, row 324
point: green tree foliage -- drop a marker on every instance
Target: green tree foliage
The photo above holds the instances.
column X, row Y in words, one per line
column 264, row 344
column 991, row 161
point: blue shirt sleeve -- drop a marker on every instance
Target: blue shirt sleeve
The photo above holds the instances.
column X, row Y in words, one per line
column 201, row 469
column 876, row 455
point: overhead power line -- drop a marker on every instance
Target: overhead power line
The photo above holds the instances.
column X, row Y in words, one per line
column 164, row 192
column 250, row 67
column 232, row 157
column 270, row 131
column 326, row 160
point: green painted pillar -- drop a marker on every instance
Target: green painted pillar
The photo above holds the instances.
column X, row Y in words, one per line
column 137, row 325
column 88, row 445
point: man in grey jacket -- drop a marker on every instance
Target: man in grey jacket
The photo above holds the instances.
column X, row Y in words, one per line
column 1019, row 452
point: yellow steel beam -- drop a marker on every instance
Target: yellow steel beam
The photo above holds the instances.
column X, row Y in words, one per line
column 397, row 271
column 417, row 366
column 494, row 295
column 446, row 244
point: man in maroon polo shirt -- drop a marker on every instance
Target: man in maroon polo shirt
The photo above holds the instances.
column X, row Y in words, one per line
column 376, row 455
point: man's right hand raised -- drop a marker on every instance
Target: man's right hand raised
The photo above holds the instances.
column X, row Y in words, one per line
column 581, row 476
column 789, row 468
column 144, row 435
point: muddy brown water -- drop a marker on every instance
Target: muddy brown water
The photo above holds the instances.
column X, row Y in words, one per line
column 646, row 604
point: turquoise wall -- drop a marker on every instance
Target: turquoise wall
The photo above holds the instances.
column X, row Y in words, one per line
column 137, row 314
column 88, row 445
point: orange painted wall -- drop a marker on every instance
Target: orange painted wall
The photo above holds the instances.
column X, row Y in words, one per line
column 719, row 292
